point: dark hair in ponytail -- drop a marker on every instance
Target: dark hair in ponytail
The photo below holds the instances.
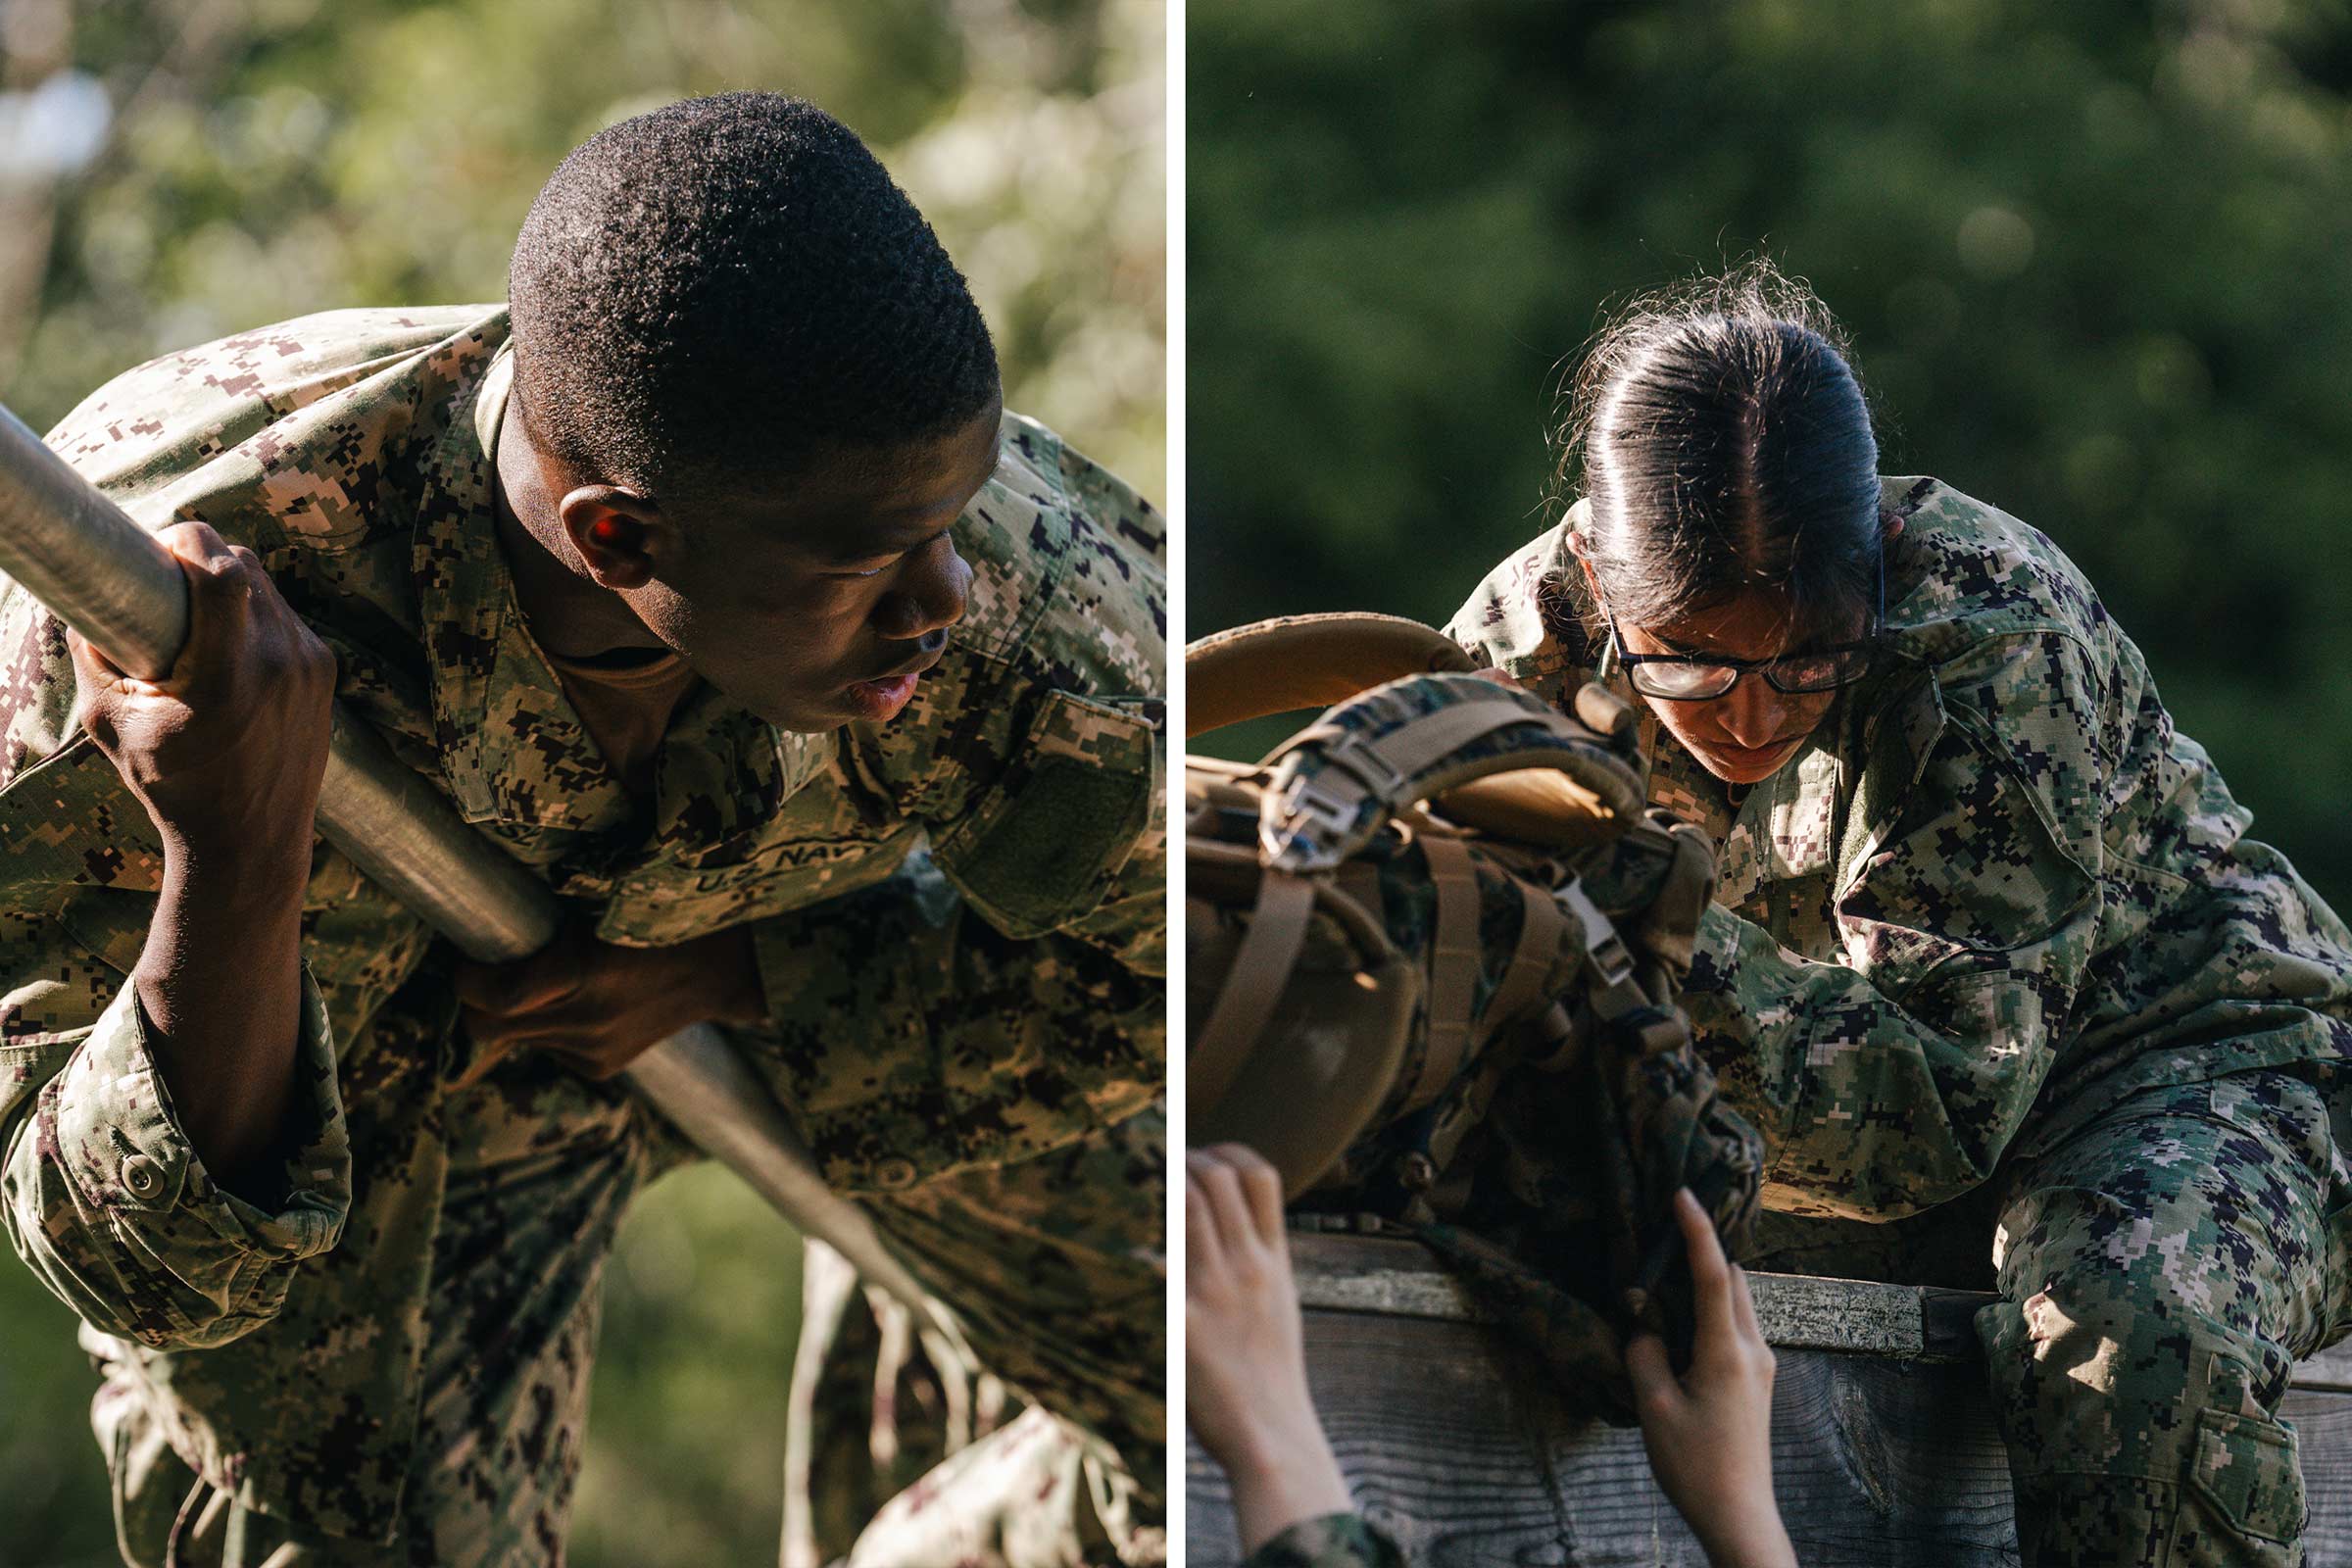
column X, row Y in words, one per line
column 1726, row 445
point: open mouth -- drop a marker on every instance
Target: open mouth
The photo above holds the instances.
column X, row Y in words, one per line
column 879, row 700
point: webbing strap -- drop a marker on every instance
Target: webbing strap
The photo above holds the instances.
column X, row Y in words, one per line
column 1614, row 993
column 1454, row 958
column 1420, row 743
column 1359, row 879
column 1541, row 925
column 1384, row 769
column 1261, row 967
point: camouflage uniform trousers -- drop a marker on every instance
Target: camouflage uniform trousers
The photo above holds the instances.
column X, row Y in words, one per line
column 1052, row 1263
column 2162, row 1267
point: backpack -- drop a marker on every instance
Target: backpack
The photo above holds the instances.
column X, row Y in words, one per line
column 1435, row 944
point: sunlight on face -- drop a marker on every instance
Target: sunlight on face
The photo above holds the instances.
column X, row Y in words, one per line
column 1751, row 731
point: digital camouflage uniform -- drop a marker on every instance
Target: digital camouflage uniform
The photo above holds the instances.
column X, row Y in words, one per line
column 2015, row 1002
column 1332, row 1540
column 386, row 1359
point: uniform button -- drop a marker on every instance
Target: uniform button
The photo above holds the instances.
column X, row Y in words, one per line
column 143, row 1177
column 892, row 1175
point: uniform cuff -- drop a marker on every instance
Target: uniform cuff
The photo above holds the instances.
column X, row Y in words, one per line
column 1328, row 1540
column 195, row 1259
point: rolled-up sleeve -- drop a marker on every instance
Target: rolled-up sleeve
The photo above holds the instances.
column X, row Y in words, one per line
column 107, row 1200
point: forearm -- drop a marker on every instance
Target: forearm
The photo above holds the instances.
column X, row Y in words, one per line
column 1752, row 1544
column 220, row 986
column 102, row 1191
column 1283, row 1474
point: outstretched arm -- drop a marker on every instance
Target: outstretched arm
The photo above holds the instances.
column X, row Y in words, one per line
column 1246, row 1391
column 1709, row 1432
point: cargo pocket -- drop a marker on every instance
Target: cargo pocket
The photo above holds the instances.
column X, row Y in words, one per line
column 2249, row 1470
column 1041, row 847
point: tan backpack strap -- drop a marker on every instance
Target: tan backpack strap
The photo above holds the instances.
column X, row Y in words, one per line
column 1359, row 879
column 1261, row 967
column 1357, row 771
column 1453, row 958
column 1336, row 781
column 1294, row 662
column 1409, row 750
column 1542, row 925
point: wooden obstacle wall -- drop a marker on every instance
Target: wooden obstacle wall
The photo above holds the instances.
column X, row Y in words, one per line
column 1884, row 1455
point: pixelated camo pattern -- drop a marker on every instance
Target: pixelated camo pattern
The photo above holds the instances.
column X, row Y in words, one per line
column 1995, row 940
column 1333, row 1540
column 286, row 1367
column 1998, row 873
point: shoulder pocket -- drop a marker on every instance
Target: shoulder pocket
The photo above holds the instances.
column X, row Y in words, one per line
column 1041, row 848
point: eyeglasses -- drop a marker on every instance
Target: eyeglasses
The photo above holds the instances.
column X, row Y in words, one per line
column 1684, row 678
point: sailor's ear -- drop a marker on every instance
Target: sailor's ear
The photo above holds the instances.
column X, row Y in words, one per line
column 622, row 537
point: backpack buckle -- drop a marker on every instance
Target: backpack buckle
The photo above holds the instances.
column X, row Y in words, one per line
column 1605, row 948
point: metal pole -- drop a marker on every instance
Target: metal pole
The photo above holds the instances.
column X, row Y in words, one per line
column 108, row 579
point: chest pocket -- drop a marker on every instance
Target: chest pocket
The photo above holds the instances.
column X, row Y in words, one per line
column 1041, row 848
column 819, row 845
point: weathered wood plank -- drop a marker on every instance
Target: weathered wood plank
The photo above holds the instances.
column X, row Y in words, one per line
column 1877, row 1463
column 1884, row 1452
column 1346, row 1273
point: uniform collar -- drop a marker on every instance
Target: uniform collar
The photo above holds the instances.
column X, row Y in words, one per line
column 1781, row 828
column 513, row 749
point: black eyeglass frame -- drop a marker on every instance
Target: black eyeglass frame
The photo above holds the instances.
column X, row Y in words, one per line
column 1865, row 644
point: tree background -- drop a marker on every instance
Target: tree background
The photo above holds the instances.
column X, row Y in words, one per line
column 173, row 170
column 2096, row 258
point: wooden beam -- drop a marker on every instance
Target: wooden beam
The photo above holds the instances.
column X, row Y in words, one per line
column 1399, row 1278
column 1465, row 1454
column 1884, row 1452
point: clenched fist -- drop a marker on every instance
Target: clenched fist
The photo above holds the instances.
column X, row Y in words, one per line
column 227, row 751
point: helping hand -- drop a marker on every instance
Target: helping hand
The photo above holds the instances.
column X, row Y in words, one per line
column 1709, row 1435
column 1245, row 1360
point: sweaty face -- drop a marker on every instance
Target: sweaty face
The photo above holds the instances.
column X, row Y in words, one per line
column 822, row 602
column 1751, row 731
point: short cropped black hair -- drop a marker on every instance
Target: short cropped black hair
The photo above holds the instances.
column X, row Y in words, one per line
column 713, row 292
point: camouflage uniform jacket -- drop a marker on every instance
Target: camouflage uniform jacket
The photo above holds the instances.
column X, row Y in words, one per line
column 1329, row 1541
column 1994, row 892
column 350, row 450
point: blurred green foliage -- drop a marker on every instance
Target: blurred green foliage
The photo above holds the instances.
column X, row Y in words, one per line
column 256, row 160
column 2096, row 258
